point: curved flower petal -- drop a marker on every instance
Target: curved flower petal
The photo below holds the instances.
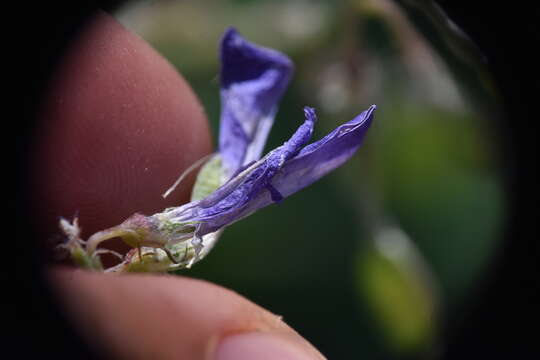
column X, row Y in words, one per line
column 284, row 171
column 253, row 79
column 321, row 157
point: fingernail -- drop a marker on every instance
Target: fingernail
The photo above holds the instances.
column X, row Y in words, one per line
column 260, row 346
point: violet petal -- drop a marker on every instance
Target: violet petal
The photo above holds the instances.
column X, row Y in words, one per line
column 321, row 157
column 253, row 79
column 282, row 172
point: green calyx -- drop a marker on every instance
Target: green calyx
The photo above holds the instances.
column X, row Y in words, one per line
column 172, row 228
column 209, row 179
column 85, row 260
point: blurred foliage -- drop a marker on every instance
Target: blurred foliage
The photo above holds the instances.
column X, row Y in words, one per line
column 428, row 168
column 398, row 288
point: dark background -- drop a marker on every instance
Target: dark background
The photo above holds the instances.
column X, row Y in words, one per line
column 497, row 320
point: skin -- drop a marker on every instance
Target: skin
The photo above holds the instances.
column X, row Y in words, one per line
column 118, row 126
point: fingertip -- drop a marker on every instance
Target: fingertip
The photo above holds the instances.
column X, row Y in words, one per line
column 262, row 346
column 118, row 125
column 173, row 317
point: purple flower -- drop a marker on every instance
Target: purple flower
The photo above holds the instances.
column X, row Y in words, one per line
column 236, row 181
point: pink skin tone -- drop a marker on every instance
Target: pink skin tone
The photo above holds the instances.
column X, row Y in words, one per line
column 118, row 127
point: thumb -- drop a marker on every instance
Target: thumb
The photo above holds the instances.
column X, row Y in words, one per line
column 173, row 317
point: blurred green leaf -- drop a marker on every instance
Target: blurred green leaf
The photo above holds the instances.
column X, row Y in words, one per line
column 396, row 285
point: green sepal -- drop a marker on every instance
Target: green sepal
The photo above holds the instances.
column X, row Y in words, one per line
column 84, row 260
column 208, row 179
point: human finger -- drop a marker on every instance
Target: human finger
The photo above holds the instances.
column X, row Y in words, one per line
column 173, row 317
column 118, row 126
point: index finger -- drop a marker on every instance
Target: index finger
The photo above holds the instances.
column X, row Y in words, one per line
column 118, row 125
